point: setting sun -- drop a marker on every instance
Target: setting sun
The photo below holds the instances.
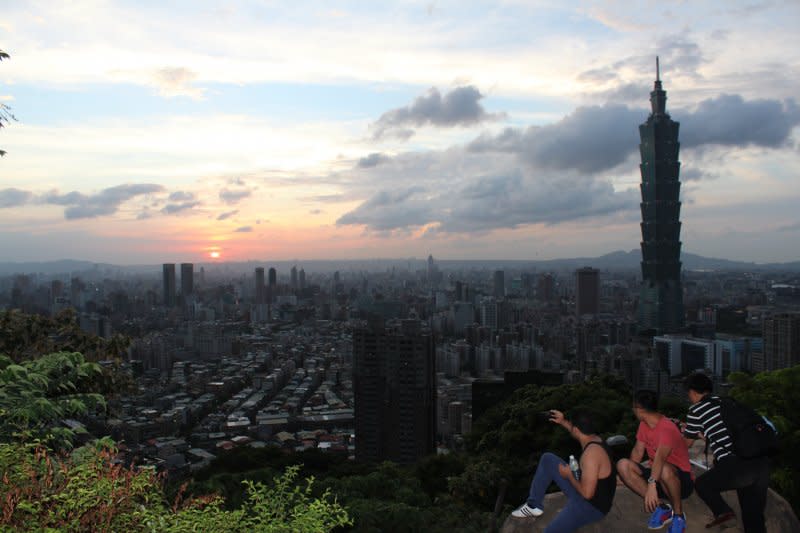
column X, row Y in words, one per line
column 214, row 255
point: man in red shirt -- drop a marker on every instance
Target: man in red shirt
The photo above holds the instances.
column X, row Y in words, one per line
column 669, row 475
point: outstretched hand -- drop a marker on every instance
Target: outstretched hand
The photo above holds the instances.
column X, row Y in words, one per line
column 556, row 417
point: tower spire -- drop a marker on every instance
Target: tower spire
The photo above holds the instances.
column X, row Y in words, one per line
column 658, row 72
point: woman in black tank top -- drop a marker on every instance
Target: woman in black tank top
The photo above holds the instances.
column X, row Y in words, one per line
column 589, row 497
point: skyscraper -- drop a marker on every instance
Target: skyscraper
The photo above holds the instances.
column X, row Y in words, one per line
column 394, row 384
column 587, row 291
column 661, row 296
column 293, row 278
column 168, row 284
column 261, row 290
column 187, row 279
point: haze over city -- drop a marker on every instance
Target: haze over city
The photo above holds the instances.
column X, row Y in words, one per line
column 281, row 131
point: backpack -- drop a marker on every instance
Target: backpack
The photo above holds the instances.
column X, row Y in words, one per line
column 752, row 434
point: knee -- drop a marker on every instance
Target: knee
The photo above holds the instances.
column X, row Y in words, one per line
column 548, row 457
column 625, row 467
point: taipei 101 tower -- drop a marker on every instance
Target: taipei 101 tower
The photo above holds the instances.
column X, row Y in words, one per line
column 661, row 298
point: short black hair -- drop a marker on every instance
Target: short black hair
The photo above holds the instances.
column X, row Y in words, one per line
column 698, row 382
column 646, row 399
column 583, row 419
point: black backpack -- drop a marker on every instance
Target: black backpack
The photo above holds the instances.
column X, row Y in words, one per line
column 752, row 434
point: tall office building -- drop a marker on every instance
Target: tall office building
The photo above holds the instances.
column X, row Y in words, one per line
column 587, row 291
column 272, row 284
column 546, row 288
column 499, row 284
column 261, row 289
column 394, row 384
column 294, row 278
column 661, row 297
column 302, row 278
column 168, row 284
column 187, row 279
column 781, row 341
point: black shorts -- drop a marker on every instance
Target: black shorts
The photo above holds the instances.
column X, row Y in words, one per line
column 687, row 483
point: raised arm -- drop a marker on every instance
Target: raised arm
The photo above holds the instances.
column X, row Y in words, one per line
column 637, row 453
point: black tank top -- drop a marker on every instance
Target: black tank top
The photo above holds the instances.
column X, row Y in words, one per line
column 606, row 487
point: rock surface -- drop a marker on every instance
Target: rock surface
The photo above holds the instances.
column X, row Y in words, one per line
column 628, row 514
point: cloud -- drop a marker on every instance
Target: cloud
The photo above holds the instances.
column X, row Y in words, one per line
column 244, row 229
column 315, row 212
column 459, row 107
column 595, row 139
column 12, row 197
column 233, row 196
column 181, row 196
column 372, row 160
column 729, row 120
column 106, row 202
column 172, row 209
column 485, row 203
column 176, row 81
column 591, row 139
column 226, row 215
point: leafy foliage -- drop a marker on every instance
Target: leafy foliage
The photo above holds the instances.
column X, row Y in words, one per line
column 25, row 336
column 776, row 395
column 36, row 395
column 5, row 111
column 89, row 491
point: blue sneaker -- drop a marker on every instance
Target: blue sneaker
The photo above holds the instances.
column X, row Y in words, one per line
column 660, row 517
column 678, row 524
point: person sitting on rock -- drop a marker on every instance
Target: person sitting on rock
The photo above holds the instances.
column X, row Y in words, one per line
column 669, row 476
column 589, row 498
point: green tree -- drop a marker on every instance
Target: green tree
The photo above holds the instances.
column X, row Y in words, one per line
column 776, row 395
column 37, row 394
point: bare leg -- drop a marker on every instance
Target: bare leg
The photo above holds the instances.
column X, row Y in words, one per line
column 671, row 484
column 632, row 476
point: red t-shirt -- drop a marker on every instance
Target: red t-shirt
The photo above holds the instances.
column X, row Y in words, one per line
column 668, row 434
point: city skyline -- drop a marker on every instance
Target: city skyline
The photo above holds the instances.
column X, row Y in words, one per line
column 472, row 132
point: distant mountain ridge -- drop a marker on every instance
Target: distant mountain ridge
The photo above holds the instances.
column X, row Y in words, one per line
column 618, row 260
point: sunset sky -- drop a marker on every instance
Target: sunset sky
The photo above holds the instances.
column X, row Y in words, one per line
column 156, row 132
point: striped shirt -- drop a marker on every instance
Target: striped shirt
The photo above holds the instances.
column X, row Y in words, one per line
column 705, row 417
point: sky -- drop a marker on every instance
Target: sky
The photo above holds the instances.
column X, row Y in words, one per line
column 152, row 132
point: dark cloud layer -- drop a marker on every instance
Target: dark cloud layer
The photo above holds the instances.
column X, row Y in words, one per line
column 598, row 138
column 105, row 202
column 548, row 174
column 459, row 107
column 14, row 197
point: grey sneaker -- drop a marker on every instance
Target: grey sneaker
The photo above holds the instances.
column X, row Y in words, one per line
column 526, row 511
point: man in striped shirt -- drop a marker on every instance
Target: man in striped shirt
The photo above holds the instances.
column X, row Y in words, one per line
column 750, row 477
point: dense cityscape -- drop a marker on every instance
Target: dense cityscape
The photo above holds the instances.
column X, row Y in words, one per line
column 224, row 357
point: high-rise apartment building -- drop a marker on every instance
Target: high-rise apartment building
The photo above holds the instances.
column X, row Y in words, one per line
column 187, row 279
column 661, row 297
column 499, row 284
column 587, row 291
column 781, row 334
column 394, row 384
column 168, row 284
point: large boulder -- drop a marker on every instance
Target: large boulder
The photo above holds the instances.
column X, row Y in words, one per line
column 628, row 514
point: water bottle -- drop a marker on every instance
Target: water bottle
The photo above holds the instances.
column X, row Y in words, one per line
column 575, row 467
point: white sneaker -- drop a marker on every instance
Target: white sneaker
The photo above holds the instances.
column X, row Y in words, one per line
column 526, row 511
